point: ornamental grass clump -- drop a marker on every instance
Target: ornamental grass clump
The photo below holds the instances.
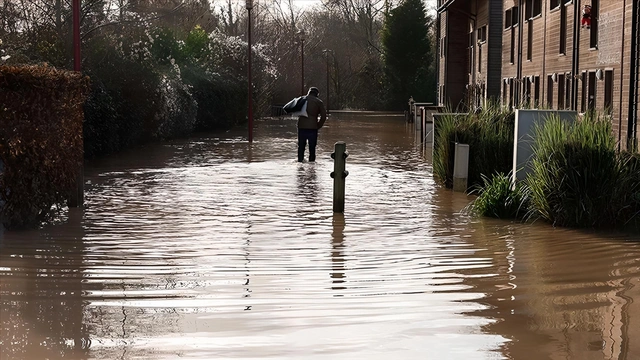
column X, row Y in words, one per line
column 500, row 198
column 631, row 185
column 489, row 134
column 578, row 179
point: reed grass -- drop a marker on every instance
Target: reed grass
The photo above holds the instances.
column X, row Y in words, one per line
column 489, row 134
column 578, row 179
column 498, row 198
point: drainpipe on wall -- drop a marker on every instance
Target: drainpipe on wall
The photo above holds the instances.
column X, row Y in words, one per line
column 622, row 57
column 438, row 59
column 633, row 85
column 575, row 65
column 474, row 46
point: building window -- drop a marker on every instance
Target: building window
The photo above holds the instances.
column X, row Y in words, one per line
column 561, row 94
column 504, row 91
column 515, row 16
column 563, row 30
column 550, row 92
column 593, row 38
column 556, row 3
column 533, row 8
column 480, row 58
column 583, row 97
column 536, row 91
column 591, row 92
column 568, row 87
column 443, row 44
column 508, row 20
column 512, row 53
column 511, row 91
column 527, row 91
column 530, row 40
column 608, row 92
column 470, row 52
column 482, row 34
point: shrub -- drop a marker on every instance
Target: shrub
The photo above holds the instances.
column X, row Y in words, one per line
column 499, row 198
column 178, row 110
column 630, row 164
column 221, row 99
column 489, row 134
column 122, row 107
column 577, row 178
column 41, row 147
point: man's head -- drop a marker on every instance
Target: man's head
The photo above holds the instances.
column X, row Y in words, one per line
column 313, row 91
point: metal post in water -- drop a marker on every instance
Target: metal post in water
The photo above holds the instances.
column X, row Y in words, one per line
column 339, row 174
column 461, row 167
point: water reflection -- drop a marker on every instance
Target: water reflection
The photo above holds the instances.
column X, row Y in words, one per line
column 307, row 184
column 42, row 293
column 556, row 297
column 337, row 253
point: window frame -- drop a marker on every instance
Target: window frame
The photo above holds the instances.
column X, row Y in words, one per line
column 530, row 41
column 556, row 4
column 562, row 50
column 550, row 91
column 481, row 35
column 593, row 32
column 608, row 91
column 533, row 9
column 561, row 91
column 508, row 18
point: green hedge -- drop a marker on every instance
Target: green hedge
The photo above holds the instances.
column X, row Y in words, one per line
column 221, row 99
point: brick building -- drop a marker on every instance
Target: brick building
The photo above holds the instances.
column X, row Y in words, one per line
column 538, row 53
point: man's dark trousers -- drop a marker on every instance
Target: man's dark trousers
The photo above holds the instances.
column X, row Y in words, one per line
column 310, row 135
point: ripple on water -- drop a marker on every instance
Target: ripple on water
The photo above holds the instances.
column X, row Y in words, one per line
column 211, row 248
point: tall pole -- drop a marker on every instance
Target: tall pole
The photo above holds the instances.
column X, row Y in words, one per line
column 76, row 35
column 76, row 196
column 301, row 33
column 327, row 52
column 249, row 6
column 575, row 55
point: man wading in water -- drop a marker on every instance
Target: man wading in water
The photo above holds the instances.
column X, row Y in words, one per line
column 308, row 125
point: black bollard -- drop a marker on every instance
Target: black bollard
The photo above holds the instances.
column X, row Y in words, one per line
column 339, row 174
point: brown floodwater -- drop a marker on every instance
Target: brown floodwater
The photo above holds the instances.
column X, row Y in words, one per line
column 211, row 248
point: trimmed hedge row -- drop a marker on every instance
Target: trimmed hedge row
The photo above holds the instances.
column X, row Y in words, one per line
column 41, row 143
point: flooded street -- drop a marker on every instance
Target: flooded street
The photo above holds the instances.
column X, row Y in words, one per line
column 211, row 248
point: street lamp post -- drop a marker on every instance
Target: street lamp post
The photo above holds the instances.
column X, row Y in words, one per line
column 249, row 6
column 76, row 35
column 302, row 35
column 326, row 51
column 76, row 197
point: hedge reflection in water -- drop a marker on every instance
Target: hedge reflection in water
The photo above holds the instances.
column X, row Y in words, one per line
column 210, row 248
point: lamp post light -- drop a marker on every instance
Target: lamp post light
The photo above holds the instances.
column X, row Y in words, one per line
column 301, row 34
column 249, row 6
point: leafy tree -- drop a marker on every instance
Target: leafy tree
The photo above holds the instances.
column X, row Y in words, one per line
column 408, row 54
